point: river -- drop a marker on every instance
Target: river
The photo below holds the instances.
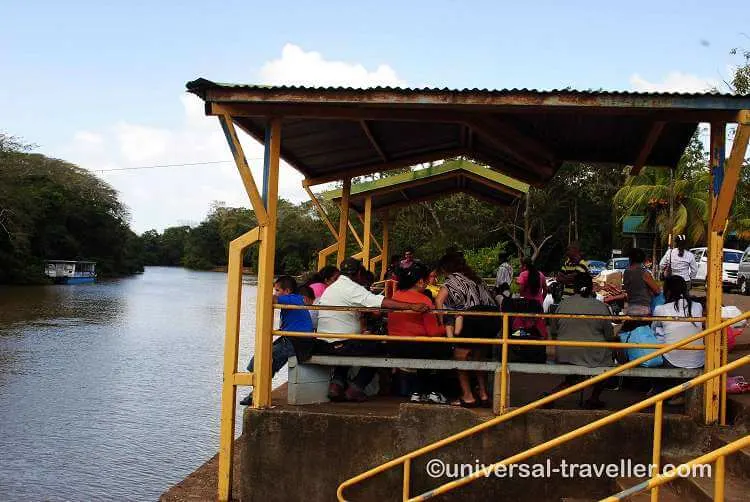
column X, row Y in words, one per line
column 111, row 391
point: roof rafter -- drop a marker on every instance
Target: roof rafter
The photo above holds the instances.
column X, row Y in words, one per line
column 368, row 132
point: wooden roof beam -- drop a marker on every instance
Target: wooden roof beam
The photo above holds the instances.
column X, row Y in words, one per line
column 500, row 137
column 648, row 145
column 373, row 141
column 410, row 160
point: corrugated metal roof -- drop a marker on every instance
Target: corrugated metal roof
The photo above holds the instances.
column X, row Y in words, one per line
column 453, row 176
column 330, row 133
column 202, row 84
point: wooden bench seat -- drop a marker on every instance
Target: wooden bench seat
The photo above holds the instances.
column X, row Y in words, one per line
column 308, row 381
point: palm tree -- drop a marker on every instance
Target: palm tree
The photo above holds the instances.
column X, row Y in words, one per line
column 672, row 202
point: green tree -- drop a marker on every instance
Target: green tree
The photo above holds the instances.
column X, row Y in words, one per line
column 51, row 209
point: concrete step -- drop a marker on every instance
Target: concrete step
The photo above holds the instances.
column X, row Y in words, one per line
column 701, row 489
column 666, row 494
column 739, row 462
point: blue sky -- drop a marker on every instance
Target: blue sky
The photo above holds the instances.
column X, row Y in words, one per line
column 103, row 85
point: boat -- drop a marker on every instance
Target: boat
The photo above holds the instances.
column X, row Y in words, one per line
column 70, row 271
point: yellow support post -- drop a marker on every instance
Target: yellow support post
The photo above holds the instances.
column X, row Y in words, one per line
column 719, row 479
column 366, row 232
column 732, row 168
column 712, row 391
column 386, row 257
column 504, row 366
column 656, row 453
column 231, row 350
column 321, row 212
column 406, row 481
column 343, row 220
column 323, row 254
column 264, row 302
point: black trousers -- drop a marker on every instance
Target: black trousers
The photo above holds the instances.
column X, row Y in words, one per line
column 352, row 348
column 427, row 380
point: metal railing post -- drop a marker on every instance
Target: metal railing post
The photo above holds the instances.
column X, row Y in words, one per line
column 504, row 366
column 719, row 479
column 407, row 480
column 656, row 453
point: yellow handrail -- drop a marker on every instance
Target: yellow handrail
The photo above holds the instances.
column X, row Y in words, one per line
column 717, row 456
column 551, row 398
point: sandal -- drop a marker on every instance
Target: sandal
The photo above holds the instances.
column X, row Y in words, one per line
column 465, row 404
column 485, row 403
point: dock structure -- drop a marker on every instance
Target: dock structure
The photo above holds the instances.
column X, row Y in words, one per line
column 336, row 134
column 380, row 197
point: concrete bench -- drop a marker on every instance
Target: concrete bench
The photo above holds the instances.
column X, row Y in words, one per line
column 308, row 381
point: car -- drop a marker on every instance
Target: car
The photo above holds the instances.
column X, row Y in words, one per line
column 596, row 267
column 743, row 273
column 730, row 266
column 618, row 264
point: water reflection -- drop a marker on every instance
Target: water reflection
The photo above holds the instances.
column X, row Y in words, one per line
column 111, row 391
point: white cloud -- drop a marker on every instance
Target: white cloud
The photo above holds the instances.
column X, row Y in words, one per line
column 674, row 81
column 167, row 196
column 297, row 67
column 162, row 197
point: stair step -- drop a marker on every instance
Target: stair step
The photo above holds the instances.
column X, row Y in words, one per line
column 666, row 494
column 701, row 489
column 738, row 463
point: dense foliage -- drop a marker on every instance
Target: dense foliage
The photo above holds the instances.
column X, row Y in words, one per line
column 50, row 209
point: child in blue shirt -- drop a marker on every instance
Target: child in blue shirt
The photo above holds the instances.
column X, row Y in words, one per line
column 285, row 292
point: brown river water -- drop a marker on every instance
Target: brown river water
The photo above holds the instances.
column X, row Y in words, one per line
column 111, row 391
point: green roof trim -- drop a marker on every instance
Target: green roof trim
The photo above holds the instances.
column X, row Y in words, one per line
column 634, row 225
column 444, row 168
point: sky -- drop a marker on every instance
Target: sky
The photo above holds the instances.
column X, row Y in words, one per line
column 102, row 84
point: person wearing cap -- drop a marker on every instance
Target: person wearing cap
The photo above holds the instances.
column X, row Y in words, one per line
column 679, row 261
column 348, row 291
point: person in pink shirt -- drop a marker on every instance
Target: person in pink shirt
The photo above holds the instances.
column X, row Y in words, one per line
column 324, row 278
column 533, row 283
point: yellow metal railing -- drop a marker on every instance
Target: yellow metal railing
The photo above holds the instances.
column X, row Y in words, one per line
column 717, row 456
column 406, row 459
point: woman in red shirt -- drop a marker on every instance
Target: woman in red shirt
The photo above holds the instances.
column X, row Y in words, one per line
column 411, row 284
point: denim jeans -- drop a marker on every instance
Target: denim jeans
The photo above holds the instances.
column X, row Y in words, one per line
column 281, row 351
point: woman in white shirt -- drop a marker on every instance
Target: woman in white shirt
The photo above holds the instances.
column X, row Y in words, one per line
column 679, row 261
column 678, row 304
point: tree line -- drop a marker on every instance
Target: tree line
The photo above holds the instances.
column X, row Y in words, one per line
column 51, row 209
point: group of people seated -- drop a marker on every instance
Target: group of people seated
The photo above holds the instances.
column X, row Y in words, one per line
column 420, row 307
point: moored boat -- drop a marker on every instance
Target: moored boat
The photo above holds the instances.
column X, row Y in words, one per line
column 70, row 271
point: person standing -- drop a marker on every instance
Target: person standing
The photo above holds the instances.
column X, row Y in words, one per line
column 679, row 261
column 504, row 272
column 533, row 283
column 639, row 285
column 463, row 289
column 409, row 259
column 573, row 265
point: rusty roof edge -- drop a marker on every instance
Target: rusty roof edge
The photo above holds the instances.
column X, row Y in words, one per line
column 201, row 85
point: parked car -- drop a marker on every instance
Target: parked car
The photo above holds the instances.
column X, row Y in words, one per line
column 618, row 264
column 743, row 273
column 596, row 267
column 730, row 266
